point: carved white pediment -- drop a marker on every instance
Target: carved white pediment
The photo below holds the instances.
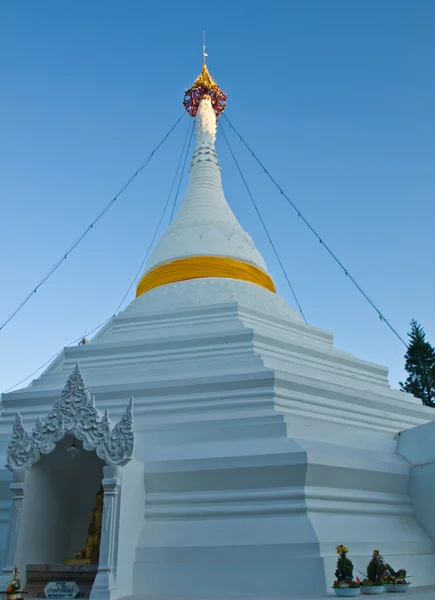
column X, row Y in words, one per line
column 74, row 413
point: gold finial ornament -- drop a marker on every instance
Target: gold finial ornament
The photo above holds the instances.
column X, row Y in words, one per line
column 204, row 78
column 204, row 85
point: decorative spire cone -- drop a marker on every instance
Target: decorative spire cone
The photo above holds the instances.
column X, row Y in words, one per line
column 205, row 239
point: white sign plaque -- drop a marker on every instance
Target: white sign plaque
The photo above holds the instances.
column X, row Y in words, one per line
column 61, row 590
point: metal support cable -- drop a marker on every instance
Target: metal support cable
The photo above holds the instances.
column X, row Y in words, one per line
column 328, row 249
column 86, row 231
column 190, row 127
column 189, row 130
column 181, row 178
column 55, row 356
column 264, row 226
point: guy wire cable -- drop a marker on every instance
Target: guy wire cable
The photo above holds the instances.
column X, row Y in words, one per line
column 55, row 356
column 190, row 126
column 181, row 178
column 300, row 215
column 264, row 226
column 86, row 231
column 136, row 275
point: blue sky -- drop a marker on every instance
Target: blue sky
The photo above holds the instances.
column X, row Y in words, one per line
column 337, row 99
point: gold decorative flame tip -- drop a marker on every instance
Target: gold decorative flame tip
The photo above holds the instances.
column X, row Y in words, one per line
column 204, row 78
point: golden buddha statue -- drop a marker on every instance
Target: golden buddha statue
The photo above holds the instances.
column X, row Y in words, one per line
column 91, row 551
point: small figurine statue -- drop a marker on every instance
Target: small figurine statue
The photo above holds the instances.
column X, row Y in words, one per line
column 90, row 554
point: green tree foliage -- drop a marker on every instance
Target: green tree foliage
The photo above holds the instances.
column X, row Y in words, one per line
column 420, row 365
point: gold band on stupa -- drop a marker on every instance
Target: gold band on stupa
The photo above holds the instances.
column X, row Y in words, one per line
column 198, row 267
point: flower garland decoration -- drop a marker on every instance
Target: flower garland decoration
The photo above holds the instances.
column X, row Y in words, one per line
column 203, row 86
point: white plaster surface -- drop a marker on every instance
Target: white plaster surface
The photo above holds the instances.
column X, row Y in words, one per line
column 131, row 518
column 211, row 291
column 205, row 224
column 417, row 445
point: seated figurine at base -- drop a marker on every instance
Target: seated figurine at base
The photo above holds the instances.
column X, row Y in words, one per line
column 91, row 552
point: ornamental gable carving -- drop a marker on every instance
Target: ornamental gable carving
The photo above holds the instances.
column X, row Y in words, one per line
column 74, row 412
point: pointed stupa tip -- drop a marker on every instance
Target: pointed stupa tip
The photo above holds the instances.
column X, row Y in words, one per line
column 204, row 85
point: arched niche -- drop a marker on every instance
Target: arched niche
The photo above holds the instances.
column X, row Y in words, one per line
column 60, row 494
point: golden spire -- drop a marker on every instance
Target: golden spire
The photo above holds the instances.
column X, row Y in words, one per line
column 204, row 85
column 204, row 78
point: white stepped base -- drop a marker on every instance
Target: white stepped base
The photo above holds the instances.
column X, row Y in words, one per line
column 266, row 570
column 262, row 446
column 216, row 576
column 227, row 517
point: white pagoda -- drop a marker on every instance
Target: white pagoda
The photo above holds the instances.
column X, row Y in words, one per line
column 252, row 447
